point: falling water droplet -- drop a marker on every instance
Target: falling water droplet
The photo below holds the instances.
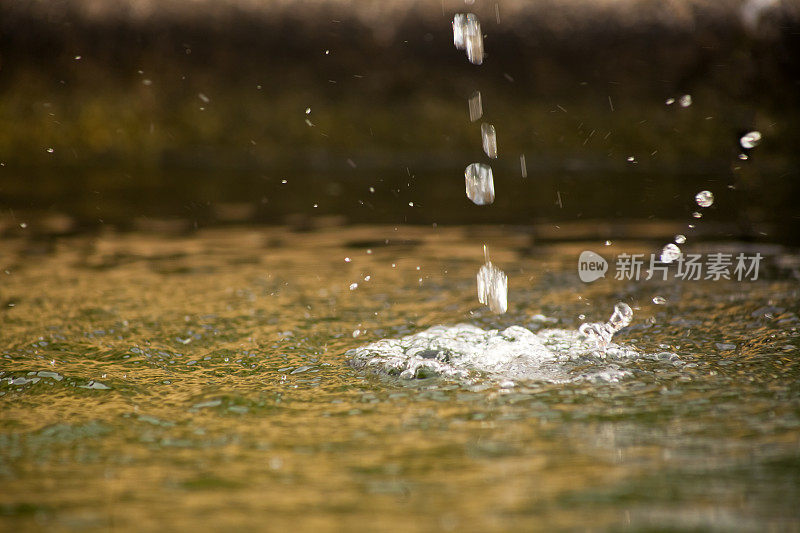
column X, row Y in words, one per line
column 750, row 139
column 704, row 198
column 353, row 286
column 475, row 106
column 659, row 300
column 670, row 101
column 743, row 157
column 670, row 253
column 479, row 183
column 685, row 100
column 489, row 138
column 492, row 286
column 50, row 150
column 523, row 166
column 697, row 214
column 459, row 23
column 680, row 238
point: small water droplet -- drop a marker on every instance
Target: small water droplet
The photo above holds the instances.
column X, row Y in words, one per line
column 50, row 150
column 670, row 101
column 697, row 214
column 308, row 111
column 670, row 253
column 680, row 238
column 631, row 159
column 353, row 286
column 659, row 300
column 347, row 259
column 750, row 139
column 704, row 198
column 743, row 157
column 685, row 100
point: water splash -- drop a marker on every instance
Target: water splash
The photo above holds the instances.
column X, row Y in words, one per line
column 603, row 333
column 492, row 286
column 515, row 354
column 479, row 183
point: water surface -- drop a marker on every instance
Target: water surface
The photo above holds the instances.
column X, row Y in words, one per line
column 201, row 381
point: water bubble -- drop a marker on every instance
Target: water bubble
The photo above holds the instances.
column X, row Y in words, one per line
column 479, row 183
column 670, row 253
column 492, row 287
column 680, row 238
column 685, row 100
column 489, row 138
column 475, row 106
column 750, row 139
column 704, row 198
column 659, row 300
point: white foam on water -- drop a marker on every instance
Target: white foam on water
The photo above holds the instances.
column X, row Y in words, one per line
column 467, row 352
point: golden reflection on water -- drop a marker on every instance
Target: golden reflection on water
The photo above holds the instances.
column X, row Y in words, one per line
column 231, row 406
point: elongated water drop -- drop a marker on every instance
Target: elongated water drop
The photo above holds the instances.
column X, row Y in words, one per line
column 492, row 286
column 489, row 138
column 479, row 183
column 475, row 106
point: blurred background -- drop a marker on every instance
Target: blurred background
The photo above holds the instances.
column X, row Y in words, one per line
column 181, row 114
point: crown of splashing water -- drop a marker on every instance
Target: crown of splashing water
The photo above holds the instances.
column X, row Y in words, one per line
column 603, row 333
